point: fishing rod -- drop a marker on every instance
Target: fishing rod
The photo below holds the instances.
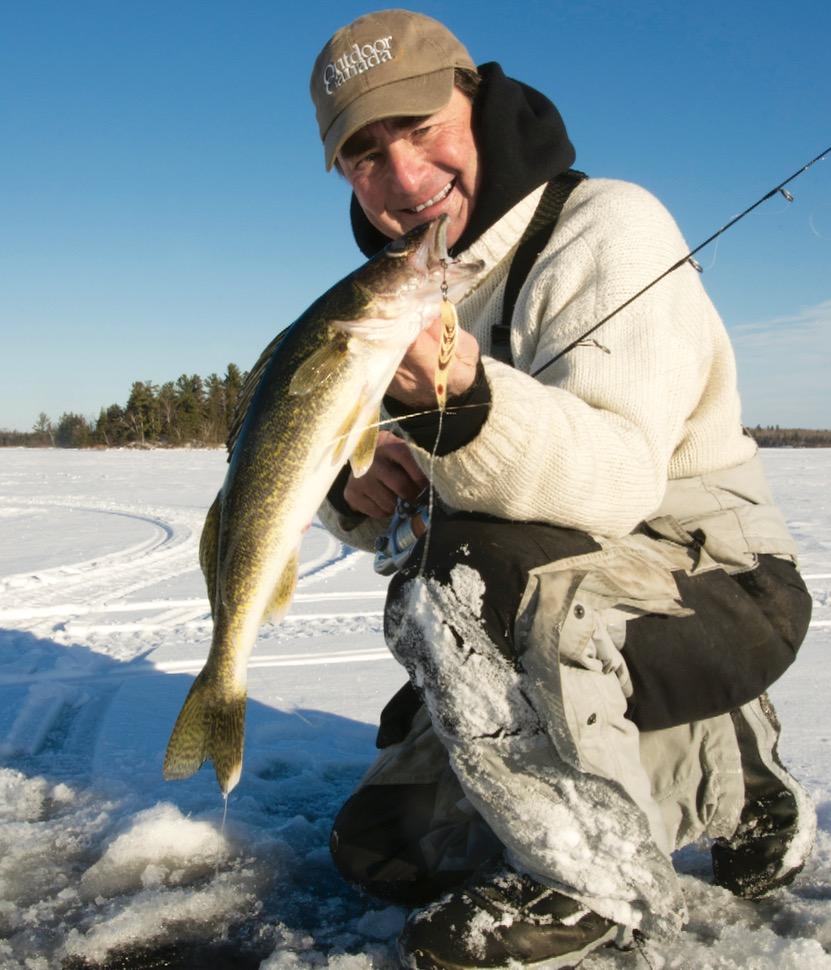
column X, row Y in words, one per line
column 393, row 548
column 689, row 258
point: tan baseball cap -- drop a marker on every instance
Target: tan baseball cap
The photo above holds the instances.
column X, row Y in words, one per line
column 383, row 65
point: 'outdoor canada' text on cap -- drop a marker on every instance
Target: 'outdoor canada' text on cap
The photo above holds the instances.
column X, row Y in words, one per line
column 387, row 64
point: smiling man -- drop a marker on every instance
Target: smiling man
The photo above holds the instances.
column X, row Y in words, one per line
column 608, row 587
column 405, row 171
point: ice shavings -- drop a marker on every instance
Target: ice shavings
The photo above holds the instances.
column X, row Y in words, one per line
column 22, row 799
column 162, row 879
column 296, row 950
column 569, row 829
column 726, row 933
column 160, row 847
column 42, row 849
column 172, row 915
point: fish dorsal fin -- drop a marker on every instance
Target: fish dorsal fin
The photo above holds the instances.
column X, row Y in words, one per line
column 364, row 451
column 209, row 549
column 322, row 365
column 284, row 591
column 252, row 381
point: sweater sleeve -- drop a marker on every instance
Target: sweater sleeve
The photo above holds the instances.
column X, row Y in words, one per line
column 588, row 444
column 355, row 530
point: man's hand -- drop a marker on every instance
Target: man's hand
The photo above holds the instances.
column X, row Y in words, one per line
column 414, row 380
column 393, row 473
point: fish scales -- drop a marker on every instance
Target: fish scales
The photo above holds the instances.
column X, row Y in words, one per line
column 287, row 455
column 312, row 403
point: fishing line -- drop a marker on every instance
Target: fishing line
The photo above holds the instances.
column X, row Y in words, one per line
column 689, row 258
column 222, row 829
column 812, row 226
column 714, row 260
column 447, row 347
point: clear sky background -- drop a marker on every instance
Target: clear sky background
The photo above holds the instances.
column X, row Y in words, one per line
column 164, row 206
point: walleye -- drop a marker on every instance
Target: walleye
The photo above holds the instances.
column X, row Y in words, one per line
column 310, row 403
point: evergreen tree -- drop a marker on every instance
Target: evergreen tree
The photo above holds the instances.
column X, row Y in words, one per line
column 234, row 379
column 215, row 420
column 111, row 426
column 44, row 430
column 169, row 429
column 73, row 431
column 190, row 402
column 142, row 412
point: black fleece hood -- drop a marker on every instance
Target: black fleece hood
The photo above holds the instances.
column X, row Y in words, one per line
column 522, row 143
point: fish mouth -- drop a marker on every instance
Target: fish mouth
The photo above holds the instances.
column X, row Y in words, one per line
column 424, row 250
column 437, row 245
column 458, row 276
column 426, row 243
column 425, row 246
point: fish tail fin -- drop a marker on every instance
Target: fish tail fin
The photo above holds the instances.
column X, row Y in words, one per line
column 210, row 727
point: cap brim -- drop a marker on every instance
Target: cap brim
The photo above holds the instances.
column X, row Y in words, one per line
column 412, row 96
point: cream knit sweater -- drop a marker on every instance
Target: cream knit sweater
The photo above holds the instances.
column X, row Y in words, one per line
column 592, row 442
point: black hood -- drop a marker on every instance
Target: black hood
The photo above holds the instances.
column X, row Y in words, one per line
column 522, row 143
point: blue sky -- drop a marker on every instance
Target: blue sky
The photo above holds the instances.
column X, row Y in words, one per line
column 164, row 207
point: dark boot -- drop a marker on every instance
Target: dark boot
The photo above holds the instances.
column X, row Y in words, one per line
column 503, row 918
column 777, row 824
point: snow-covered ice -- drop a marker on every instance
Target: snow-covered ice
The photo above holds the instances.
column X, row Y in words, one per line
column 103, row 625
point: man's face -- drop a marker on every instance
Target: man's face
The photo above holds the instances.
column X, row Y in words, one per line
column 406, row 171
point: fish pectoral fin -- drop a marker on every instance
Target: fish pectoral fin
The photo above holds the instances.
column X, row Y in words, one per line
column 321, row 366
column 209, row 549
column 210, row 727
column 364, row 451
column 341, row 445
column 283, row 592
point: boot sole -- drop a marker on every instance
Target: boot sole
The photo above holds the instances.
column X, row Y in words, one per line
column 619, row 936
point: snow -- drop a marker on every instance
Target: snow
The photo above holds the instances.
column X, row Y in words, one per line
column 103, row 625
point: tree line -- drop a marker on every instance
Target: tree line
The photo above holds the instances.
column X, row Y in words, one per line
column 775, row 437
column 196, row 411
column 191, row 411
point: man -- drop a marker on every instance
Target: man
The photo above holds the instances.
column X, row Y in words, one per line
column 606, row 587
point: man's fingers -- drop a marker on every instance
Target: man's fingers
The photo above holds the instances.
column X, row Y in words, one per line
column 393, row 474
column 402, row 484
column 370, row 494
column 380, row 487
column 399, row 464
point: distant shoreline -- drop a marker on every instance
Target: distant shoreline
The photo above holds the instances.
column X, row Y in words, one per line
column 764, row 437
